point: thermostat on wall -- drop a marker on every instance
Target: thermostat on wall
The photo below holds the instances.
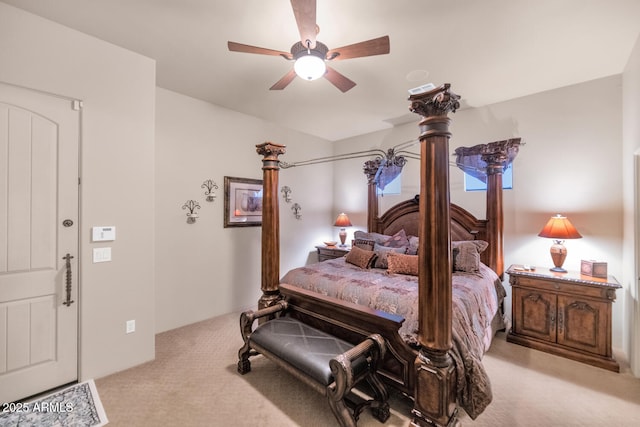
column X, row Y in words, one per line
column 101, row 234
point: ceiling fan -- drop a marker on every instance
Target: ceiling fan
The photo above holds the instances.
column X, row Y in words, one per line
column 310, row 55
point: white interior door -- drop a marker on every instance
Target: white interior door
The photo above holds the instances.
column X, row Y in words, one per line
column 39, row 139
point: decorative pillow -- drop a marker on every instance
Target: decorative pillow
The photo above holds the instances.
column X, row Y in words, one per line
column 402, row 263
column 466, row 255
column 413, row 245
column 365, row 244
column 376, row 237
column 381, row 255
column 398, row 240
column 360, row 257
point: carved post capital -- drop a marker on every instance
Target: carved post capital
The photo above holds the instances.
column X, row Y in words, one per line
column 437, row 102
column 370, row 169
column 270, row 151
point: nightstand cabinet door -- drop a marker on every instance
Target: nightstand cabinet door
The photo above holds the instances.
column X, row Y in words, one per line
column 583, row 324
column 535, row 314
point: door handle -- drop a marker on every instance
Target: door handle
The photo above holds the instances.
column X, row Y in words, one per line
column 68, row 259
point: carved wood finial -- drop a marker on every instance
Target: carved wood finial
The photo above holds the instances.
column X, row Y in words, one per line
column 437, row 102
column 270, row 151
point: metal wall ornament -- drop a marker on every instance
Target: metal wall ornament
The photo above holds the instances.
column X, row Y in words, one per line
column 191, row 206
column 296, row 208
column 209, row 185
column 286, row 193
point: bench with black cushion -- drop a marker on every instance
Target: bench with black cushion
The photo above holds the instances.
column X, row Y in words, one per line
column 328, row 364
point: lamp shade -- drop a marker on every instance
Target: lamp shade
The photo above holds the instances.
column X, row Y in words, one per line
column 559, row 228
column 342, row 221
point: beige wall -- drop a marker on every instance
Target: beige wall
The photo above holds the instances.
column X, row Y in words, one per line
column 570, row 165
column 631, row 186
column 203, row 269
column 117, row 170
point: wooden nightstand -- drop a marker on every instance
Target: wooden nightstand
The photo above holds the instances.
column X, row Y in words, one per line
column 331, row 252
column 567, row 314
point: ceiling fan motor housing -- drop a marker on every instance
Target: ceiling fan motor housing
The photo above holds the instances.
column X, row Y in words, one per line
column 299, row 49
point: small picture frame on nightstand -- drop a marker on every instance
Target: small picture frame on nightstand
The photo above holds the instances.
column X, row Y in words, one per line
column 593, row 268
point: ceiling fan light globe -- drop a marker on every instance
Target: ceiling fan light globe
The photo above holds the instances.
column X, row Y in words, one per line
column 310, row 67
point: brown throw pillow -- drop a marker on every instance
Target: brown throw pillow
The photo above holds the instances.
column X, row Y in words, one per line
column 360, row 257
column 402, row 263
column 466, row 255
column 375, row 237
column 365, row 244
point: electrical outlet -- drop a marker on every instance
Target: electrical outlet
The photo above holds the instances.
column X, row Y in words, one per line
column 131, row 326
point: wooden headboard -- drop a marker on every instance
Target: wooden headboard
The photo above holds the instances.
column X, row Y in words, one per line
column 405, row 216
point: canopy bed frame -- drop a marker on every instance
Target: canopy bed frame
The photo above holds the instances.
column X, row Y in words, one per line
column 427, row 374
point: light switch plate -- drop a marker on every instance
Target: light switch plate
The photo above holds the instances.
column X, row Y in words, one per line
column 101, row 254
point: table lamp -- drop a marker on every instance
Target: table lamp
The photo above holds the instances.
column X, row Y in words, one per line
column 342, row 221
column 559, row 228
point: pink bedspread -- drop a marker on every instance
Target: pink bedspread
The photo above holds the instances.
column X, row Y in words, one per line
column 476, row 300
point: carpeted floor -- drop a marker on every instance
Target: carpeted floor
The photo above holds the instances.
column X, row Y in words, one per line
column 193, row 382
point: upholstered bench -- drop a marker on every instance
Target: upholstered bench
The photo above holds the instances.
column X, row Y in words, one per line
column 330, row 365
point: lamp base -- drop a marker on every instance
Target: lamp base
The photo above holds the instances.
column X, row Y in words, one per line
column 343, row 238
column 558, row 255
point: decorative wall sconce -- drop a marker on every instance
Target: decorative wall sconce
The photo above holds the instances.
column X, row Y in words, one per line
column 191, row 205
column 209, row 185
column 286, row 193
column 296, row 208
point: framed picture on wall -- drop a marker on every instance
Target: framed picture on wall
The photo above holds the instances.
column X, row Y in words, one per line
column 242, row 202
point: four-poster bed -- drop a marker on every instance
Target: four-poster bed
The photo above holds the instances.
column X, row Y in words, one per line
column 425, row 370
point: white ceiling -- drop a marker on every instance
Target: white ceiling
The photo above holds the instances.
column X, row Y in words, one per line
column 490, row 51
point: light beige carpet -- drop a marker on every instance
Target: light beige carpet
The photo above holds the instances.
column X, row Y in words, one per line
column 193, row 382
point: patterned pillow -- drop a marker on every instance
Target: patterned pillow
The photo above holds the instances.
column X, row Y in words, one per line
column 365, row 244
column 402, row 264
column 360, row 257
column 382, row 252
column 398, row 240
column 466, row 255
column 376, row 237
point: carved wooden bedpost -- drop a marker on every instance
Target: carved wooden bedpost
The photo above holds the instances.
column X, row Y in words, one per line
column 270, row 223
column 435, row 392
column 370, row 170
column 495, row 225
column 491, row 159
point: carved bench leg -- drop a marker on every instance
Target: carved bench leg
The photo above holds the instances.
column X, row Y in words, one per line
column 244, row 365
column 380, row 404
column 246, row 319
column 341, row 411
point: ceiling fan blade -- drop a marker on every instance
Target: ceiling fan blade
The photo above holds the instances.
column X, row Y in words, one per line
column 284, row 81
column 245, row 48
column 379, row 46
column 305, row 13
column 338, row 80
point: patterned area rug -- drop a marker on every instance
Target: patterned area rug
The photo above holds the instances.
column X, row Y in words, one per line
column 77, row 406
